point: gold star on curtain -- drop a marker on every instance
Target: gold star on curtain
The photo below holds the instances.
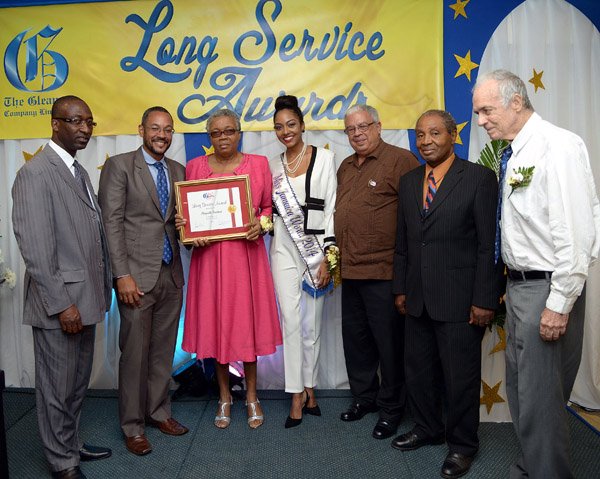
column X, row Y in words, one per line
column 459, row 8
column 536, row 80
column 501, row 344
column 490, row 396
column 105, row 158
column 29, row 156
column 459, row 128
column 465, row 65
column 208, row 151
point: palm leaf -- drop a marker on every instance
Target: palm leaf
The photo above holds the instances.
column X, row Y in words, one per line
column 490, row 155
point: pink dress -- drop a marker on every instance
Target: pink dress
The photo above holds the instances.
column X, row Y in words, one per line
column 231, row 314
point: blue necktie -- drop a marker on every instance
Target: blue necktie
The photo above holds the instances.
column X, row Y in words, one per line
column 501, row 175
column 163, row 198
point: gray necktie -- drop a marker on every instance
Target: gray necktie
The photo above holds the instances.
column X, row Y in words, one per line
column 79, row 177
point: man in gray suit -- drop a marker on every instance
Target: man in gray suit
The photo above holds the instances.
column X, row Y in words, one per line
column 58, row 226
column 138, row 206
column 445, row 283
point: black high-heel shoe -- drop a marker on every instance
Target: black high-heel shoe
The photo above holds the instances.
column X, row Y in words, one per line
column 290, row 421
column 313, row 411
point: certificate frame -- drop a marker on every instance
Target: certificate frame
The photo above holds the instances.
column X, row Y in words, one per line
column 198, row 195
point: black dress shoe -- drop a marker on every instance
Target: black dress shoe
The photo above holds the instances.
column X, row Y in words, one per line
column 357, row 411
column 411, row 441
column 384, row 429
column 70, row 473
column 93, row 453
column 456, row 465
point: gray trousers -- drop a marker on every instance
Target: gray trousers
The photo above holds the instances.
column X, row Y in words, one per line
column 147, row 340
column 63, row 364
column 539, row 380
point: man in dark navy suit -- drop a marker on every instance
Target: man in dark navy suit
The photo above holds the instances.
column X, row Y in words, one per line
column 445, row 284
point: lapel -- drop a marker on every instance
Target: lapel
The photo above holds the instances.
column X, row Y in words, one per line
column 143, row 170
column 172, row 180
column 417, row 188
column 453, row 177
column 64, row 172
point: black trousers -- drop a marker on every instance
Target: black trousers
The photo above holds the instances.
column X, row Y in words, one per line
column 373, row 337
column 443, row 359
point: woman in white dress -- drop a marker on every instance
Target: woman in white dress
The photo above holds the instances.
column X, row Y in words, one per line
column 304, row 186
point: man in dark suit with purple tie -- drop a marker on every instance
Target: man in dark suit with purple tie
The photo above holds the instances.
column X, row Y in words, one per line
column 445, row 283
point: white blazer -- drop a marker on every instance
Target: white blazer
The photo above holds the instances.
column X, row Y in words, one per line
column 320, row 189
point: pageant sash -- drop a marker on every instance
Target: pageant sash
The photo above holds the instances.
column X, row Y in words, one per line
column 308, row 246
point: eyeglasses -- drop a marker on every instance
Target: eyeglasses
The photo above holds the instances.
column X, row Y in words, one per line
column 226, row 132
column 360, row 128
column 157, row 129
column 78, row 121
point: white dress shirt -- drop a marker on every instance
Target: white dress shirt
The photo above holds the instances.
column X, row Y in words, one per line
column 553, row 224
column 68, row 159
column 154, row 171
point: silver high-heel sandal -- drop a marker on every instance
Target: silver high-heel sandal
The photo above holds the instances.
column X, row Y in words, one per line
column 254, row 420
column 222, row 420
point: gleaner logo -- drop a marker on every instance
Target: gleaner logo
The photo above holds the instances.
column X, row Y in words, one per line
column 45, row 70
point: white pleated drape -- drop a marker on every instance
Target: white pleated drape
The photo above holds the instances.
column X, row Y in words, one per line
column 554, row 37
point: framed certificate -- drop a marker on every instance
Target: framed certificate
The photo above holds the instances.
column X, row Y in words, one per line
column 215, row 208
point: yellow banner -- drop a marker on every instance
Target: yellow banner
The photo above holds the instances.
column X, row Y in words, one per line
column 196, row 57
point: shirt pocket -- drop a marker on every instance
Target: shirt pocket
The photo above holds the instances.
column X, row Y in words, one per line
column 521, row 201
column 360, row 248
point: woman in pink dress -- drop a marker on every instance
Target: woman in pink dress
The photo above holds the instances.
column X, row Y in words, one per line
column 231, row 314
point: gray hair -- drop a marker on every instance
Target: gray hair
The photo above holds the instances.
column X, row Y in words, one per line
column 447, row 118
column 361, row 107
column 509, row 84
column 224, row 112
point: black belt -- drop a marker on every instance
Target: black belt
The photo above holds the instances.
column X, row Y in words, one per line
column 528, row 275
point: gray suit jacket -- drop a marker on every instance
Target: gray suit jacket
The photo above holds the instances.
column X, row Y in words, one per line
column 134, row 224
column 61, row 238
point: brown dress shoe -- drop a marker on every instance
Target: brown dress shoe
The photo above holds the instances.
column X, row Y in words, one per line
column 138, row 445
column 170, row 426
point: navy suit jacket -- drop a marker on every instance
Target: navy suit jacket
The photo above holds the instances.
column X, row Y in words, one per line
column 444, row 260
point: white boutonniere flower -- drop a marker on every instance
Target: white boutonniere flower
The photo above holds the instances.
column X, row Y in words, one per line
column 521, row 178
